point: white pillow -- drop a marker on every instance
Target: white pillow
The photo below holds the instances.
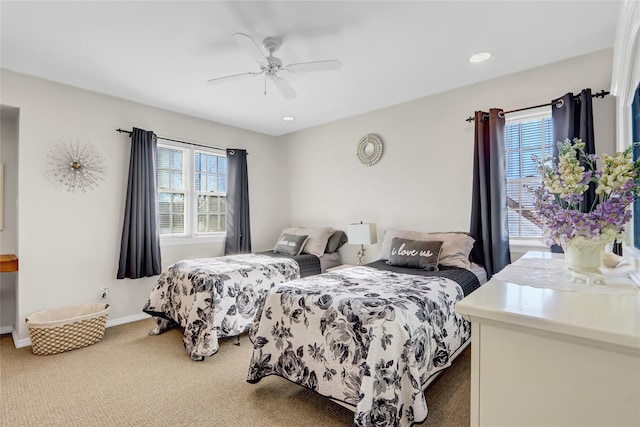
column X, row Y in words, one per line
column 317, row 241
column 456, row 247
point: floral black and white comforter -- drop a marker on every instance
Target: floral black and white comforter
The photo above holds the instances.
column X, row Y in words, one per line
column 367, row 337
column 215, row 297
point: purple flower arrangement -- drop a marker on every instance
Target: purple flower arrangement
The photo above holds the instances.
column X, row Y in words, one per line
column 564, row 183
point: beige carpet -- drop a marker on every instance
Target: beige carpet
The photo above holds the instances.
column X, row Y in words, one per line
column 133, row 379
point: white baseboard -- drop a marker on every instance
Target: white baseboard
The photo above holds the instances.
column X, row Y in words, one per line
column 19, row 343
column 127, row 319
column 6, row 329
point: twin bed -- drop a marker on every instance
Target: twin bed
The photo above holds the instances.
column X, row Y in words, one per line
column 218, row 297
column 369, row 337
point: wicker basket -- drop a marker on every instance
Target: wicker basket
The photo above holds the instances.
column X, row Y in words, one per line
column 63, row 329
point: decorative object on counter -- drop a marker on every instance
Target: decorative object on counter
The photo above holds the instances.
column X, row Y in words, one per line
column 362, row 234
column 612, row 260
column 74, row 165
column 583, row 258
column 370, row 149
column 584, row 231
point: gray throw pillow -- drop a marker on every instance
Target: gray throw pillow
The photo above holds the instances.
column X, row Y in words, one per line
column 420, row 254
column 337, row 239
column 290, row 244
column 318, row 238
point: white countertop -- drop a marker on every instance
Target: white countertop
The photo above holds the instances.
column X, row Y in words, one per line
column 611, row 319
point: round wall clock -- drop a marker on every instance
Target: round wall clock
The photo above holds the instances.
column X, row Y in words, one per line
column 370, row 149
column 76, row 166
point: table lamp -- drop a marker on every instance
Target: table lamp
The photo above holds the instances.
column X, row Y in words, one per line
column 361, row 234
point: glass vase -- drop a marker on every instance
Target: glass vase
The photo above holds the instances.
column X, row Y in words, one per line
column 584, row 255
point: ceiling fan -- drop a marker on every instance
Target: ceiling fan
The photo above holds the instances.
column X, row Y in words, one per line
column 270, row 65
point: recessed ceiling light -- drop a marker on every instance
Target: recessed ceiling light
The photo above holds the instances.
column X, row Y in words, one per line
column 480, row 56
column 288, row 118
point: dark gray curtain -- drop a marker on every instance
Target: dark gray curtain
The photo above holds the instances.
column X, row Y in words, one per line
column 238, row 225
column 572, row 117
column 489, row 224
column 140, row 247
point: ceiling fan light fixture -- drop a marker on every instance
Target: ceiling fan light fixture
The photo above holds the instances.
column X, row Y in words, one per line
column 288, row 118
column 480, row 57
column 271, row 66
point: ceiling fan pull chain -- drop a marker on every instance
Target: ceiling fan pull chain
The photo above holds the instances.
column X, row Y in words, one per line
column 265, row 85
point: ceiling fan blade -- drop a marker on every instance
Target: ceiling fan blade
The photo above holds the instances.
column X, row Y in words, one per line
column 249, row 45
column 304, row 67
column 233, row 77
column 284, row 87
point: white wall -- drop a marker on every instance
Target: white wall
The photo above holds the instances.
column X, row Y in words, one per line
column 8, row 235
column 70, row 242
column 424, row 179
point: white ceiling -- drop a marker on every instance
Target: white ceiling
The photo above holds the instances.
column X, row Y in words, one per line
column 162, row 53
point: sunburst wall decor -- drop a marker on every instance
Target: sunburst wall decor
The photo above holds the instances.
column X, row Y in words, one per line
column 74, row 165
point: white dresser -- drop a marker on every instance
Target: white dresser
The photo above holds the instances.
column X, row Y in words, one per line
column 545, row 357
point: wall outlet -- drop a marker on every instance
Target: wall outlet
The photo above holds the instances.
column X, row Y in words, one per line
column 103, row 293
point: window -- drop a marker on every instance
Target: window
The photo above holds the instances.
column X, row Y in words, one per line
column 192, row 187
column 527, row 134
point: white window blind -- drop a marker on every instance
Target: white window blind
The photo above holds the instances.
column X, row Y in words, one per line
column 171, row 190
column 527, row 133
column 211, row 189
column 192, row 186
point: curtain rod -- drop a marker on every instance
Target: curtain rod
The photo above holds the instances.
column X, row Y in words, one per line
column 600, row 94
column 175, row 140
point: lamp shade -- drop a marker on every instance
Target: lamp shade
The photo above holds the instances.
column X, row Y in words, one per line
column 362, row 234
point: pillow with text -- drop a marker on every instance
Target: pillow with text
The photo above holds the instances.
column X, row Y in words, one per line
column 318, row 238
column 290, row 244
column 422, row 254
